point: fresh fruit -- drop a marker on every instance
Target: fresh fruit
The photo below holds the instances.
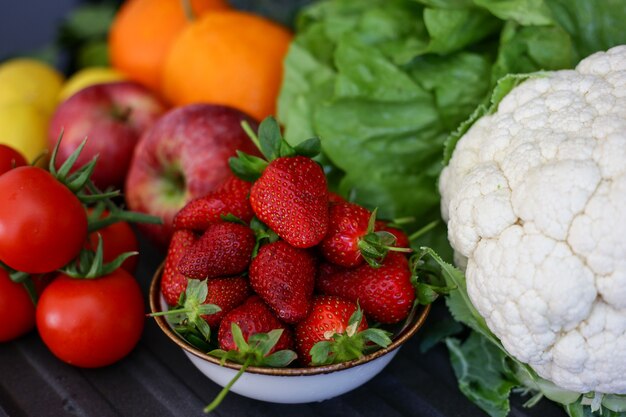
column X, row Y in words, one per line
column 43, row 225
column 402, row 240
column 230, row 198
column 284, row 277
column 334, row 331
column 91, row 322
column 224, row 249
column 24, row 127
column 17, row 310
column 10, row 158
column 291, row 197
column 351, row 238
column 252, row 317
column 226, row 293
column 230, row 57
column 29, row 81
column 173, row 283
column 182, row 157
column 117, row 239
column 86, row 77
column 143, row 32
column 112, row 116
column 385, row 294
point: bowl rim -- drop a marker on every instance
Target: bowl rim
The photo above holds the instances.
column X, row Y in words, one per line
column 420, row 314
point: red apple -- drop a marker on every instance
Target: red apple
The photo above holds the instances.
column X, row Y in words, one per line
column 184, row 155
column 112, row 117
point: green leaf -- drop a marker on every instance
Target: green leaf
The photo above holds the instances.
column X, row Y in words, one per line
column 525, row 12
column 482, row 377
column 378, row 336
column 247, row 167
column 321, row 353
column 309, row 148
column 238, row 338
column 437, row 331
column 270, row 138
column 280, row 359
column 207, row 309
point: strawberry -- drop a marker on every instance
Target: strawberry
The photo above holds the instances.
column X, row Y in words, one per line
column 223, row 249
column 334, row 331
column 230, row 198
column 173, row 283
column 290, row 193
column 291, row 197
column 284, row 277
column 253, row 316
column 386, row 293
column 351, row 238
column 226, row 293
column 402, row 240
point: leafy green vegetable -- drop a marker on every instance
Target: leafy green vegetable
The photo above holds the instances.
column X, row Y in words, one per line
column 383, row 83
column 483, row 375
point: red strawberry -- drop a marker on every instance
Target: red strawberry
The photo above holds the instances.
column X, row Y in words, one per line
column 253, row 316
column 284, row 277
column 351, row 237
column 173, row 283
column 291, row 197
column 385, row 294
column 226, row 293
column 230, row 198
column 337, row 329
column 224, row 249
column 402, row 240
column 335, row 198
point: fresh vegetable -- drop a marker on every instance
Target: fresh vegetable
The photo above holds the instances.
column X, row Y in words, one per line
column 284, row 277
column 533, row 197
column 384, row 82
column 43, row 225
column 10, row 158
column 335, row 331
column 117, row 238
column 230, row 198
column 17, row 309
column 224, row 249
column 91, row 322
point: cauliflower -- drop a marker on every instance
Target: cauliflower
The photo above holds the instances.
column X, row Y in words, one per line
column 535, row 200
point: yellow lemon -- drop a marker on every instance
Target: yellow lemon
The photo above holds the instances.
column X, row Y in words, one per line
column 30, row 81
column 86, row 77
column 24, row 127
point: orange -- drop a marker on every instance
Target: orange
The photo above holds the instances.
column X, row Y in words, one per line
column 228, row 57
column 143, row 31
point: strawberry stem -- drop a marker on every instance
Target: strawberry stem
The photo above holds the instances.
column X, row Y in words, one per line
column 427, row 228
column 222, row 394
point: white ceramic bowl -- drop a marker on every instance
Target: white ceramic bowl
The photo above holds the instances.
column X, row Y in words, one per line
column 288, row 385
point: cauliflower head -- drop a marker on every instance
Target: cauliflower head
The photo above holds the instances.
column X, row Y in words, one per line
column 535, row 200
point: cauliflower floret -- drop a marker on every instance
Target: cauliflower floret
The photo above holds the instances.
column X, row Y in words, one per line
column 535, row 200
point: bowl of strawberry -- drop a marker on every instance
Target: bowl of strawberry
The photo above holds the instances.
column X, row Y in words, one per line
column 280, row 290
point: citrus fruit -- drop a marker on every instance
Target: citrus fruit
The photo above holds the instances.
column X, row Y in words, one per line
column 86, row 77
column 24, row 127
column 143, row 31
column 229, row 57
column 30, row 81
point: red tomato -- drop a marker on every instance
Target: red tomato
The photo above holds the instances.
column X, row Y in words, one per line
column 43, row 225
column 10, row 158
column 91, row 322
column 116, row 239
column 17, row 311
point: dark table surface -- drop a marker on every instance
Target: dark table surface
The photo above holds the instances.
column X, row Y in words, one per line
column 157, row 379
